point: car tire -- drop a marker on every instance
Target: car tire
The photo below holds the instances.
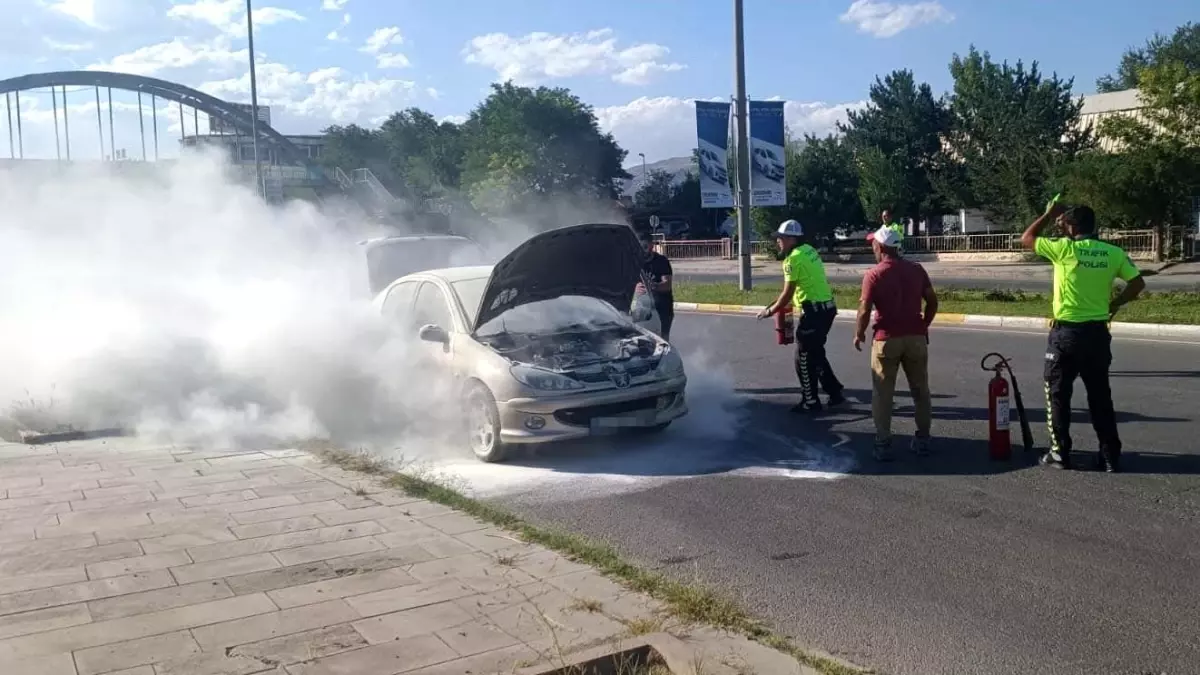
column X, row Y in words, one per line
column 483, row 424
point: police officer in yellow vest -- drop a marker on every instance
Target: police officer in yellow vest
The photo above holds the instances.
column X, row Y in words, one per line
column 806, row 289
column 885, row 219
column 1080, row 344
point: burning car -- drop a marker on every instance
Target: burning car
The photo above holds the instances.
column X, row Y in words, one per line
column 536, row 346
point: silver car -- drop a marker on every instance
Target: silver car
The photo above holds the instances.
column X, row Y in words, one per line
column 536, row 347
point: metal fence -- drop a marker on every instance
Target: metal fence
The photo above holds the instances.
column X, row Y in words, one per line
column 1139, row 243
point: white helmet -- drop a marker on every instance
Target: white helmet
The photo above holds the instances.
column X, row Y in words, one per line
column 790, row 228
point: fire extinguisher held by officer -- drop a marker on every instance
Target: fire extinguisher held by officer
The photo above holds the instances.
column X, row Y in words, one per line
column 1080, row 344
column 806, row 288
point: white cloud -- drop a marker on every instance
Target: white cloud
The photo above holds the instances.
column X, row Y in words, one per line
column 176, row 54
column 665, row 126
column 538, row 57
column 333, row 36
column 67, row 46
column 333, row 5
column 378, row 45
column 229, row 16
column 80, row 10
column 324, row 95
column 886, row 19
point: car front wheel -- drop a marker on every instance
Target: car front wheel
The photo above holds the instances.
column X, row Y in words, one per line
column 483, row 424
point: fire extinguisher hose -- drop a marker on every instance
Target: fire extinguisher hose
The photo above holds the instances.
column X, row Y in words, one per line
column 1002, row 363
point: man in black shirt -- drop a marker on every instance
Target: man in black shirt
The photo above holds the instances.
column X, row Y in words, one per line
column 657, row 270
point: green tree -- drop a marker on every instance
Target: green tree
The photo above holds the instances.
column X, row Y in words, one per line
column 522, row 144
column 422, row 152
column 353, row 147
column 904, row 122
column 1150, row 179
column 656, row 189
column 1182, row 46
column 1011, row 128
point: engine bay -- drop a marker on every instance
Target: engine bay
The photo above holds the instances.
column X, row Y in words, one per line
column 569, row 350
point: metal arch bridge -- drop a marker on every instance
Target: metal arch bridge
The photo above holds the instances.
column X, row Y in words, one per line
column 185, row 96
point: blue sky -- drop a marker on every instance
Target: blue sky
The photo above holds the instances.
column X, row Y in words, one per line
column 639, row 62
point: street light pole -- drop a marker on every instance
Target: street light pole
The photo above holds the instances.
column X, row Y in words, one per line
column 258, row 176
column 643, row 181
column 742, row 194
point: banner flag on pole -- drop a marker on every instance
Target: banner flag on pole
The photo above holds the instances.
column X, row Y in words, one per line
column 712, row 150
column 768, row 161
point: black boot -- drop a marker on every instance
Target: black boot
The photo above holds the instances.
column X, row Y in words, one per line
column 1108, row 461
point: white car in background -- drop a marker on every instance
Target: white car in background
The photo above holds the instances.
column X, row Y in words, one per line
column 537, row 346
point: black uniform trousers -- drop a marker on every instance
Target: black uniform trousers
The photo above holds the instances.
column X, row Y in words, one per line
column 1082, row 350
column 812, row 365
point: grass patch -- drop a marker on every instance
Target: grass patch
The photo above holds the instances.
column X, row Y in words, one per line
column 690, row 602
column 1174, row 307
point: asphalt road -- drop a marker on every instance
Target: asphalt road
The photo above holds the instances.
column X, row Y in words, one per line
column 1039, row 283
column 952, row 564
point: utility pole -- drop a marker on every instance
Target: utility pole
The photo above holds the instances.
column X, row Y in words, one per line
column 742, row 194
column 258, row 176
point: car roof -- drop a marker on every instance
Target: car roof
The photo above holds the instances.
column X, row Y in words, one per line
column 453, row 274
column 414, row 237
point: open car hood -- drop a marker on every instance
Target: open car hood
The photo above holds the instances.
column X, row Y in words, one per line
column 601, row 261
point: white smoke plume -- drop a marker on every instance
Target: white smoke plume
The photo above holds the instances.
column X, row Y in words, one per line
column 175, row 302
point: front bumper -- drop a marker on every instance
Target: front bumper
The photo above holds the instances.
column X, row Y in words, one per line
column 579, row 415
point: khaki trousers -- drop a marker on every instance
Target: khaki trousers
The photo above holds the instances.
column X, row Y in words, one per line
column 911, row 353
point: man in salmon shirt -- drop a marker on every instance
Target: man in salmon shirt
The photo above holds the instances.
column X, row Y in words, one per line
column 895, row 289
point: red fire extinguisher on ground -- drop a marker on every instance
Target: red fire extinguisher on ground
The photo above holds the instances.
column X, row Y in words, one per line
column 999, row 411
column 785, row 326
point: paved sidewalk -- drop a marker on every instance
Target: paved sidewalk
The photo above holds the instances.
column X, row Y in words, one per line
column 127, row 558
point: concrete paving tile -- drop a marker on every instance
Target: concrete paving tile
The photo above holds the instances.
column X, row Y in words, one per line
column 475, row 636
column 83, row 591
column 358, row 515
column 496, row 541
column 50, row 488
column 68, row 543
column 77, row 523
column 41, row 620
column 40, row 562
column 482, row 605
column 11, row 535
column 283, row 541
column 455, row 523
column 282, row 577
column 218, row 664
column 443, row 546
column 139, row 652
column 29, row 582
column 242, row 507
column 142, row 563
column 46, row 498
column 270, row 489
column 280, row 513
column 224, row 568
column 471, row 569
column 49, row 664
column 506, row 660
column 326, row 551
column 543, row 564
column 386, row 659
column 197, row 523
column 186, row 540
column 385, row 559
column 412, row 622
column 144, row 497
column 218, row 637
column 306, row 646
column 219, row 498
column 26, row 513
column 158, row 600
column 389, row 497
column 140, row 670
column 176, row 491
column 100, row 633
column 99, row 494
column 408, row 596
column 277, row 527
column 340, row 587
column 424, row 509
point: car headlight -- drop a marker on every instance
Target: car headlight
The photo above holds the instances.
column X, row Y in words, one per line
column 544, row 380
column 670, row 364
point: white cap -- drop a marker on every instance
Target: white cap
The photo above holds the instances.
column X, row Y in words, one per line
column 886, row 236
column 790, row 228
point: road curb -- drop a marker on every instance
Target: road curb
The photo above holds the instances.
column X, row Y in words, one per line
column 1120, row 328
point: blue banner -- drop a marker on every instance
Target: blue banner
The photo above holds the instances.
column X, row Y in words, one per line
column 768, row 163
column 712, row 149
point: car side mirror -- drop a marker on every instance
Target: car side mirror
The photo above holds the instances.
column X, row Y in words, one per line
column 432, row 333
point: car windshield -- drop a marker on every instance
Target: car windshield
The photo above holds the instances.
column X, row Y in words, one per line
column 546, row 316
